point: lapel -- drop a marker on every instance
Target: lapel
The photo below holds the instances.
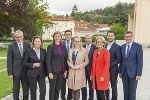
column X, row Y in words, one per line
column 111, row 48
column 34, row 54
column 91, row 48
column 17, row 48
column 124, row 50
column 131, row 49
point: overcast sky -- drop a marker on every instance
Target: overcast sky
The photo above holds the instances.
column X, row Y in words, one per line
column 63, row 7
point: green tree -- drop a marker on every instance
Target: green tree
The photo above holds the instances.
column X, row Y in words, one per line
column 27, row 15
column 119, row 29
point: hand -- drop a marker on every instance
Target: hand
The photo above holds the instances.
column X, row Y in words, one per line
column 10, row 77
column 50, row 75
column 138, row 78
column 37, row 65
column 65, row 74
column 102, row 79
column 91, row 77
column 77, row 67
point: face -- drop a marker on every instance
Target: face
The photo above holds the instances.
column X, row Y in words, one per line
column 128, row 37
column 37, row 43
column 88, row 40
column 77, row 42
column 19, row 38
column 57, row 38
column 99, row 43
column 68, row 35
column 110, row 37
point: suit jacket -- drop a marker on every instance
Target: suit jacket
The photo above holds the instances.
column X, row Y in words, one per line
column 76, row 78
column 90, row 57
column 54, row 60
column 100, row 68
column 64, row 43
column 115, row 55
column 31, row 58
column 133, row 63
column 14, row 59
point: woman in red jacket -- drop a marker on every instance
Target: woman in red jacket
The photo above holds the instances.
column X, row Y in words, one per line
column 100, row 69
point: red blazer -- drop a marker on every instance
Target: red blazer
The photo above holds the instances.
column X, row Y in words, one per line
column 100, row 68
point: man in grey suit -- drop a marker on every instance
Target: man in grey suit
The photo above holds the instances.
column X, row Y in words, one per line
column 68, row 44
column 16, row 72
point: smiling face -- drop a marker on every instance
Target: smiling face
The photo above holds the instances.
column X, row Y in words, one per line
column 88, row 39
column 37, row 43
column 99, row 43
column 77, row 42
column 68, row 35
column 110, row 37
column 128, row 37
column 57, row 38
column 18, row 37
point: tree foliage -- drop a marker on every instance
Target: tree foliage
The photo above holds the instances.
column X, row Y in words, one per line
column 115, row 14
column 27, row 15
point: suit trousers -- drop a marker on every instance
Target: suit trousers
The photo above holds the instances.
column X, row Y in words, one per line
column 16, row 87
column 55, row 85
column 84, row 89
column 113, row 81
column 33, row 87
column 129, row 87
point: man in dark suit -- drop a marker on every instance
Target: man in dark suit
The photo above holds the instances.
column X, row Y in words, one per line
column 68, row 44
column 16, row 72
column 131, row 65
column 115, row 57
column 90, row 49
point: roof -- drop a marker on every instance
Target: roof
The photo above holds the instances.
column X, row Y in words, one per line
column 61, row 19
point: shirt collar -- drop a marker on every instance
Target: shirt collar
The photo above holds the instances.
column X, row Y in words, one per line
column 36, row 50
column 88, row 45
column 130, row 43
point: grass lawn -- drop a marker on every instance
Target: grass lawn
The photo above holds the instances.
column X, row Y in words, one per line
column 5, row 85
column 2, row 63
column 3, row 52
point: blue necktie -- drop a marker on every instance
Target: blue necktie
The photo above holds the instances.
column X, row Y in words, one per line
column 68, row 46
column 128, row 49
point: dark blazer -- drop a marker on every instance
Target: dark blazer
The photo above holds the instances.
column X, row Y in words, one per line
column 134, row 62
column 90, row 56
column 115, row 55
column 31, row 58
column 53, row 59
column 64, row 43
column 14, row 59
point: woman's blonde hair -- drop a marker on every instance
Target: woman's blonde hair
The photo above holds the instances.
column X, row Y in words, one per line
column 39, row 37
column 73, row 44
column 100, row 37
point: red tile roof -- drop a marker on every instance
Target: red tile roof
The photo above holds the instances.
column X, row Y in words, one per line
column 62, row 18
column 103, row 25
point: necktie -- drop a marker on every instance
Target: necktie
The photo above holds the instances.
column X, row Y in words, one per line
column 21, row 49
column 68, row 46
column 128, row 49
column 88, row 48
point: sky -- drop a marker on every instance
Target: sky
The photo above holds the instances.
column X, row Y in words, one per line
column 63, row 7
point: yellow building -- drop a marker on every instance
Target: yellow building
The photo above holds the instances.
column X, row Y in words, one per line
column 139, row 22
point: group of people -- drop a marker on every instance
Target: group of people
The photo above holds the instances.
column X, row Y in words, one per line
column 74, row 66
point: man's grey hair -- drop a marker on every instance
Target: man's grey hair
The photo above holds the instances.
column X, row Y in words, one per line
column 88, row 35
column 18, row 32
